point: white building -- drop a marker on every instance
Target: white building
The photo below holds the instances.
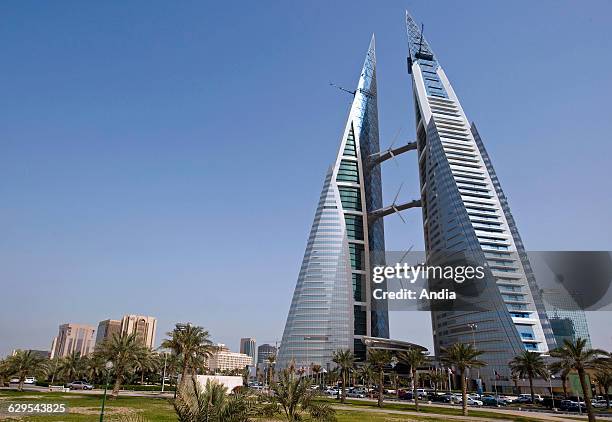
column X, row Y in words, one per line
column 223, row 359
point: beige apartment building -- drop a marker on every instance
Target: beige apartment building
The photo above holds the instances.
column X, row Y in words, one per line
column 106, row 330
column 223, row 359
column 73, row 338
column 144, row 327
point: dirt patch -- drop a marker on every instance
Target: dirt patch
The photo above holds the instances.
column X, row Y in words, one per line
column 107, row 411
column 20, row 397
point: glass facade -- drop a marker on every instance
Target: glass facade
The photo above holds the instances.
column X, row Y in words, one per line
column 465, row 212
column 331, row 307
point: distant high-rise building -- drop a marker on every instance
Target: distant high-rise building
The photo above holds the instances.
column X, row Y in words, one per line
column 106, row 330
column 567, row 320
column 248, row 347
column 73, row 338
column 143, row 326
column 331, row 307
column 465, row 213
column 264, row 351
column 222, row 359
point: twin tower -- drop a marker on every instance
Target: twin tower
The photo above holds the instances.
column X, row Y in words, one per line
column 464, row 211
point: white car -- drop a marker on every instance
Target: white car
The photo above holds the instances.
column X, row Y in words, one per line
column 30, row 380
column 473, row 402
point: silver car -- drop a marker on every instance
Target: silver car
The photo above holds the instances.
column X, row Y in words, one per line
column 80, row 385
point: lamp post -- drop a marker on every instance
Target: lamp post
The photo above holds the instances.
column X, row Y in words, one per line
column 164, row 373
column 473, row 328
column 109, row 366
column 552, row 396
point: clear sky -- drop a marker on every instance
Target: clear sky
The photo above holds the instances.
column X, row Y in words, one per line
column 166, row 158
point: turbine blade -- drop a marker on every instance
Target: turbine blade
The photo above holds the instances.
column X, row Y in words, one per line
column 397, row 194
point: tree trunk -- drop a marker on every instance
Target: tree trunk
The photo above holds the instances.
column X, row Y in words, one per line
column 531, row 390
column 381, row 387
column 585, row 393
column 343, row 393
column 414, row 389
column 464, row 394
column 564, row 382
column 117, row 385
column 183, row 373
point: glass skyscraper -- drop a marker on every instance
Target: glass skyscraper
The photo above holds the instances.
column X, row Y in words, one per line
column 465, row 212
column 331, row 307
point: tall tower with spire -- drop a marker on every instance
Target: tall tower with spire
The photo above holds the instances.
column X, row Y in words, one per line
column 331, row 307
column 466, row 212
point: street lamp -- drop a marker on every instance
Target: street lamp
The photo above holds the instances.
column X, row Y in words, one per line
column 552, row 396
column 164, row 373
column 109, row 366
column 473, row 328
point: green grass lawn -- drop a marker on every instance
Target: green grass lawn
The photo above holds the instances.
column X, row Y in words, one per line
column 86, row 408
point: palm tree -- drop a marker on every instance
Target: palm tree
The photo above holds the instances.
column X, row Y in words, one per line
column 3, row 372
column 379, row 359
column 24, row 363
column 603, row 378
column 345, row 360
column 124, row 352
column 580, row 358
column 366, row 373
column 148, row 361
column 529, row 365
column 316, row 370
column 93, row 367
column 562, row 368
column 212, row 404
column 295, row 396
column 414, row 358
column 271, row 363
column 437, row 378
column 71, row 367
column 462, row 356
column 191, row 343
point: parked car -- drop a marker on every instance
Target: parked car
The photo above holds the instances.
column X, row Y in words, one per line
column 599, row 404
column 14, row 381
column 572, row 406
column 30, row 380
column 472, row 402
column 493, row 401
column 526, row 398
column 452, row 398
column 355, row 394
column 508, row 399
column 80, row 385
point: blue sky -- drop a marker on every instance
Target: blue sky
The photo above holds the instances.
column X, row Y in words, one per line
column 166, row 158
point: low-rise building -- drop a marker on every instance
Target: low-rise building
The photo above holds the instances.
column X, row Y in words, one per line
column 222, row 359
